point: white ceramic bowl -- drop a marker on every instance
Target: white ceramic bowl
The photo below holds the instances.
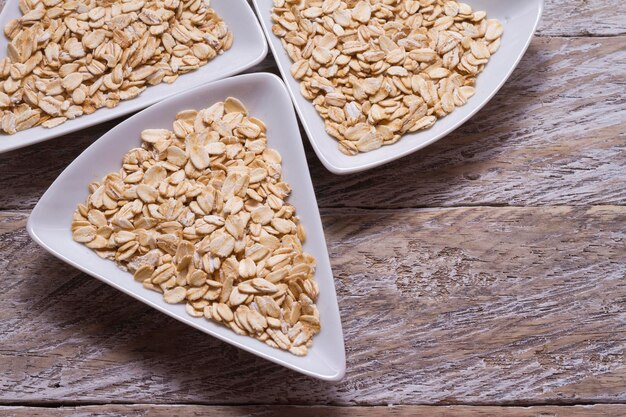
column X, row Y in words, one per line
column 249, row 48
column 520, row 19
column 265, row 97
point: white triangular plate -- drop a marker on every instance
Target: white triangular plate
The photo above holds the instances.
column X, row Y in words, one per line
column 265, row 97
column 249, row 48
column 520, row 19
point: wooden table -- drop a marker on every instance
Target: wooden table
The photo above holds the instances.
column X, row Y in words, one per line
column 479, row 276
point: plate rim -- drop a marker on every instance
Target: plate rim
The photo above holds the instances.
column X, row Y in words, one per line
column 104, row 117
column 32, row 231
column 354, row 168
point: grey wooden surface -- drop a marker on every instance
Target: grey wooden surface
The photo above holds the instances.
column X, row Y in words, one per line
column 281, row 411
column 486, row 270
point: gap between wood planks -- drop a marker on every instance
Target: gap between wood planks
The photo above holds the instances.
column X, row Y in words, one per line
column 152, row 410
column 565, row 403
column 559, row 141
column 406, row 209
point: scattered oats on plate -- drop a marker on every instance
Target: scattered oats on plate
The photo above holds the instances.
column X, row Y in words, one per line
column 376, row 70
column 198, row 213
column 69, row 58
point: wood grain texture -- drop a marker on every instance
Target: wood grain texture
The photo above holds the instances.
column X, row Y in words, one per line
column 446, row 306
column 583, row 18
column 459, row 305
column 290, row 411
column 555, row 134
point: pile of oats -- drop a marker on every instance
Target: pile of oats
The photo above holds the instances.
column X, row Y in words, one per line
column 377, row 69
column 199, row 214
column 67, row 58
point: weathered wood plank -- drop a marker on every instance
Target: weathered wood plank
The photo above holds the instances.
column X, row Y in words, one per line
column 468, row 305
column 290, row 411
column 583, row 18
column 448, row 306
column 555, row 134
